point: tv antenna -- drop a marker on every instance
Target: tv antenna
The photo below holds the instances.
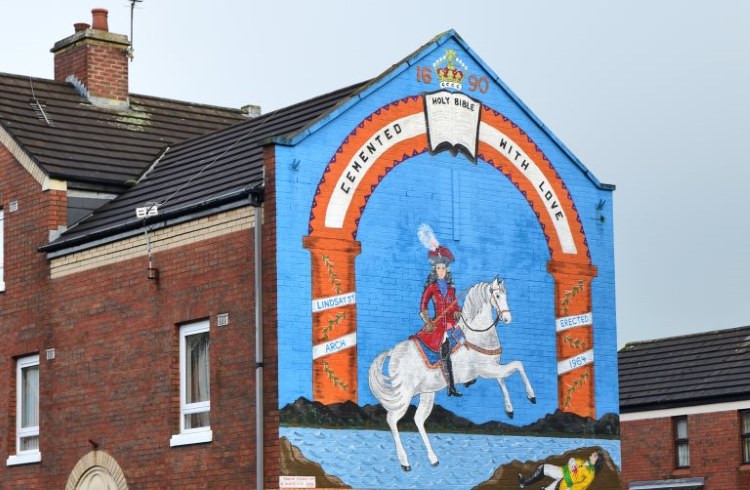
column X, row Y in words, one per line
column 132, row 10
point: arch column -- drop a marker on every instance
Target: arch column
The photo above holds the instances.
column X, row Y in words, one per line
column 574, row 325
column 334, row 318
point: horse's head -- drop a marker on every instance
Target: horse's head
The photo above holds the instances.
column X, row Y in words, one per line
column 499, row 299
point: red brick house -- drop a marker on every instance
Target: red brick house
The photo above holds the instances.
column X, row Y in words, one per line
column 67, row 146
column 685, row 411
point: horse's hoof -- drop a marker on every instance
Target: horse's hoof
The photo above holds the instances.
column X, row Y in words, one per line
column 532, row 399
column 436, row 463
column 406, row 467
column 510, row 414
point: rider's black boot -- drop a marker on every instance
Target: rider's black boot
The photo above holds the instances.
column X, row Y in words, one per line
column 445, row 355
column 531, row 479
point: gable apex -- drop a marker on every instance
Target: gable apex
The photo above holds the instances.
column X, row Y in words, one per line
column 414, row 58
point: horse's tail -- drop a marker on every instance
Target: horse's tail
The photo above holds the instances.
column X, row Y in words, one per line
column 386, row 388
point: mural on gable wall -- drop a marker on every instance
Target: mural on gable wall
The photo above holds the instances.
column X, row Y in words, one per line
column 450, row 316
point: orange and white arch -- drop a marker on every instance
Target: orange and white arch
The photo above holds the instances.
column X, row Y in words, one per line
column 393, row 134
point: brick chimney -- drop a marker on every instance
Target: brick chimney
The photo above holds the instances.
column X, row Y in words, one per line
column 95, row 61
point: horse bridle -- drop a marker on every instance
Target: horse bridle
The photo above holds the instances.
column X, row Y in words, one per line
column 494, row 323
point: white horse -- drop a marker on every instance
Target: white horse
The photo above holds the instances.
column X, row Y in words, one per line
column 478, row 356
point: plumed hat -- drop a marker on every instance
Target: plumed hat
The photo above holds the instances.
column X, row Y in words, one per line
column 437, row 254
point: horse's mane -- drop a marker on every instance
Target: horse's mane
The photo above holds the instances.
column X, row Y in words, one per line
column 474, row 301
column 476, row 298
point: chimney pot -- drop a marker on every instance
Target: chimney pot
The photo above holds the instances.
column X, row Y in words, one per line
column 99, row 19
column 80, row 26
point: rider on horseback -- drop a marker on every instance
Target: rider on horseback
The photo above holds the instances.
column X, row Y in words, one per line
column 439, row 290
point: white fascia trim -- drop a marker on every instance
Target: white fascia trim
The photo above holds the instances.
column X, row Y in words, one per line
column 667, row 484
column 50, row 184
column 693, row 410
column 24, row 458
column 91, row 194
column 23, row 158
column 199, row 437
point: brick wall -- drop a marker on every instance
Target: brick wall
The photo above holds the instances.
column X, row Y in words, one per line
column 270, row 326
column 648, row 451
column 115, row 376
column 23, row 304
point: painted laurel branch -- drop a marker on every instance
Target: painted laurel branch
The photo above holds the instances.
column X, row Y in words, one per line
column 332, row 322
column 332, row 376
column 578, row 288
column 575, row 342
column 578, row 383
column 333, row 277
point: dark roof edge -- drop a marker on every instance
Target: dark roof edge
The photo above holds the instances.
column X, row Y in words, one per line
column 688, row 402
column 14, row 139
column 130, row 94
column 627, row 347
column 192, row 104
column 231, row 200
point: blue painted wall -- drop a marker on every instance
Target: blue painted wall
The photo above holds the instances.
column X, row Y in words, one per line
column 479, row 215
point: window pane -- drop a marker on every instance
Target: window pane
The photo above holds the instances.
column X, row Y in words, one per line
column 197, row 373
column 683, row 455
column 746, row 422
column 746, row 451
column 29, row 443
column 30, row 394
column 682, row 432
column 196, row 420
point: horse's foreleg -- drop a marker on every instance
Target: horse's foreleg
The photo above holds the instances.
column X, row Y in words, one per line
column 518, row 366
column 506, row 396
column 426, row 402
column 393, row 418
column 500, row 372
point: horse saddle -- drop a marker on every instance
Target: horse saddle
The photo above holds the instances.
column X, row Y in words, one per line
column 431, row 357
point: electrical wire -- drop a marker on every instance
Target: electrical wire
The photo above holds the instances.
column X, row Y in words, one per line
column 206, row 167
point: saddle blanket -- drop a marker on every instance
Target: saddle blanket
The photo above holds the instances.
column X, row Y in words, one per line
column 430, row 357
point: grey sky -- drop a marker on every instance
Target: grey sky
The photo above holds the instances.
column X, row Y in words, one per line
column 652, row 96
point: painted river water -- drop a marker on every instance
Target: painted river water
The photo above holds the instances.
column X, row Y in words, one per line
column 367, row 459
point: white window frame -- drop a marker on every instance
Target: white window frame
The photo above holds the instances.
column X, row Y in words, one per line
column 681, row 442
column 32, row 455
column 2, row 252
column 200, row 434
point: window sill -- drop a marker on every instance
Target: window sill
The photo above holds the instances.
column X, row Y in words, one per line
column 191, row 438
column 745, row 468
column 25, row 458
column 681, row 472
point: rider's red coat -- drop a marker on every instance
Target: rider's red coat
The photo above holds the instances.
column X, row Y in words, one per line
column 445, row 308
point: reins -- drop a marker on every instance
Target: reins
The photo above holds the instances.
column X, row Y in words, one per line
column 470, row 345
column 492, row 325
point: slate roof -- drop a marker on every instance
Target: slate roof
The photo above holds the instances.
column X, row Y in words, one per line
column 207, row 172
column 96, row 148
column 698, row 369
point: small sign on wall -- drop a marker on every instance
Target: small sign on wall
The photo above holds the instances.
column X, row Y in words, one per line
column 297, row 482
